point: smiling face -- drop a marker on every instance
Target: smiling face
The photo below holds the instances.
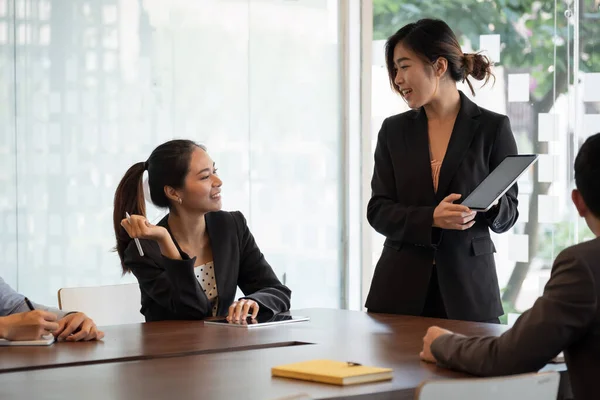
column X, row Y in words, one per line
column 202, row 188
column 414, row 78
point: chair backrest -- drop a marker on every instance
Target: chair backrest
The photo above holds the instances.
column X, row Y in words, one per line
column 542, row 386
column 106, row 305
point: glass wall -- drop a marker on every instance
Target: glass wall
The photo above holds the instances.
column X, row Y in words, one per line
column 8, row 177
column 547, row 71
column 100, row 83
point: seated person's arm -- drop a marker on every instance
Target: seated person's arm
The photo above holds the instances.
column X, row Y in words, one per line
column 559, row 317
column 19, row 322
column 257, row 279
column 164, row 275
column 171, row 283
column 30, row 325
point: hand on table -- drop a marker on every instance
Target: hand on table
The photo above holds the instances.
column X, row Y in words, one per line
column 432, row 333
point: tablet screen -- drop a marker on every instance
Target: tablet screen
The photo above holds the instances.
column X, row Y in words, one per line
column 499, row 181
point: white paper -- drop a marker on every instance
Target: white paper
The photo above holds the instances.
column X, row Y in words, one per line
column 518, row 248
column 591, row 125
column 547, row 170
column 523, row 207
column 548, row 209
column 591, row 86
column 547, row 127
column 518, row 87
column 490, row 45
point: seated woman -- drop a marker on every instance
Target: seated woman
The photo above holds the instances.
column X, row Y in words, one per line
column 196, row 256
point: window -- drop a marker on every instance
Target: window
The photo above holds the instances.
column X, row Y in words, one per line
column 259, row 86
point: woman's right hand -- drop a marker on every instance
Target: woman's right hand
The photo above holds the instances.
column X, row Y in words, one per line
column 140, row 228
column 448, row 215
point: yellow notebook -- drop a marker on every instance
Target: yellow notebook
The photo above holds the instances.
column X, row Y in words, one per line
column 334, row 372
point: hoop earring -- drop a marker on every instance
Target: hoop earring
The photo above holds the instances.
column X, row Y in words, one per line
column 180, row 201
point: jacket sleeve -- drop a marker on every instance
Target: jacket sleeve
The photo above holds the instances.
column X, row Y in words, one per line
column 12, row 302
column 256, row 279
column 170, row 283
column 559, row 317
column 502, row 217
column 385, row 214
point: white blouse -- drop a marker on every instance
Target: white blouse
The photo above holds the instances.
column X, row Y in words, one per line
column 205, row 274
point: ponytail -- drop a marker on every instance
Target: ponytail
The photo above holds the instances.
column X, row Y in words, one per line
column 129, row 197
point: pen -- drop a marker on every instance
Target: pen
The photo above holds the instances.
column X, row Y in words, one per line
column 137, row 241
column 29, row 304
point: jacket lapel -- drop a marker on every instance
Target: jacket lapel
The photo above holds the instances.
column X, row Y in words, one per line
column 219, row 243
column 420, row 154
column 464, row 130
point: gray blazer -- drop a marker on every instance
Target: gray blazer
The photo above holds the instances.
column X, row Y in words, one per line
column 12, row 302
column 565, row 318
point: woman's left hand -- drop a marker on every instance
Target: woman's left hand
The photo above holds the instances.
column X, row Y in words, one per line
column 240, row 309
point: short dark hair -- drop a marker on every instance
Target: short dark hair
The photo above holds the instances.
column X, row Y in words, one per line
column 432, row 39
column 168, row 165
column 587, row 173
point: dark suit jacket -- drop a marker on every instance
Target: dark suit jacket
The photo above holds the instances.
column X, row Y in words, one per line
column 171, row 291
column 565, row 318
column 402, row 204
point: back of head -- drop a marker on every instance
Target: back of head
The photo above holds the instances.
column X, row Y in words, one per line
column 587, row 173
column 432, row 39
column 168, row 165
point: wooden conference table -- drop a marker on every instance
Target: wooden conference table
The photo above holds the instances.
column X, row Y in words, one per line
column 187, row 359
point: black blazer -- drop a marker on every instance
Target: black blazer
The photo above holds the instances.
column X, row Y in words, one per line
column 402, row 204
column 171, row 291
column 565, row 318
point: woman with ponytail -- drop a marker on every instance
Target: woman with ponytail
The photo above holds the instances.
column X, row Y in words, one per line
column 437, row 259
column 190, row 264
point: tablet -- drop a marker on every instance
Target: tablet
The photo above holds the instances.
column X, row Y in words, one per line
column 260, row 321
column 499, row 181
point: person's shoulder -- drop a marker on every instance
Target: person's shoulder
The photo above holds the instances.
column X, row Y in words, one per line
column 492, row 115
column 227, row 217
column 587, row 252
column 402, row 118
column 228, row 220
column 228, row 223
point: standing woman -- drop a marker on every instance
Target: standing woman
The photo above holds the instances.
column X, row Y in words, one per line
column 194, row 258
column 437, row 259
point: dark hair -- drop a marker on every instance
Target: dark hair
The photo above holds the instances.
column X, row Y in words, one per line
column 587, row 171
column 168, row 165
column 432, row 39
